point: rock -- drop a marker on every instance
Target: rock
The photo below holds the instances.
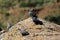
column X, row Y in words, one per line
column 48, row 31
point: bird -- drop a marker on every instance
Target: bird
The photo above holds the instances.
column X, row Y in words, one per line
column 32, row 14
column 8, row 25
column 23, row 32
column 36, row 21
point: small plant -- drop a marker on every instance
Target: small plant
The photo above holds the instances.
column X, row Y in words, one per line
column 53, row 19
column 58, row 0
column 7, row 14
column 31, row 4
column 2, row 26
column 59, row 6
column 7, row 4
column 22, row 4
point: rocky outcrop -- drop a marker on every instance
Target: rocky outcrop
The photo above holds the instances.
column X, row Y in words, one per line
column 47, row 31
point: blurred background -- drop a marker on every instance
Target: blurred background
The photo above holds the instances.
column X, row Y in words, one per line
column 13, row 11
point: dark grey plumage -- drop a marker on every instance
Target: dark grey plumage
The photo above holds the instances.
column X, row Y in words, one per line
column 23, row 32
column 36, row 21
column 34, row 17
column 32, row 13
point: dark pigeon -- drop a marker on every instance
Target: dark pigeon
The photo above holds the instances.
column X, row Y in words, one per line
column 36, row 21
column 24, row 33
column 32, row 14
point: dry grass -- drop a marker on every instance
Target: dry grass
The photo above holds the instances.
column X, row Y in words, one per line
column 17, row 13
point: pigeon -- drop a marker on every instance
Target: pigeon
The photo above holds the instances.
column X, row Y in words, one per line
column 23, row 32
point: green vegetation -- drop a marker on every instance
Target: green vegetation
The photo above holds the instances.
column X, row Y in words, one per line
column 59, row 6
column 53, row 19
column 33, row 3
column 23, row 3
column 58, row 0
column 9, row 19
column 7, row 14
column 2, row 26
column 8, row 10
column 7, row 3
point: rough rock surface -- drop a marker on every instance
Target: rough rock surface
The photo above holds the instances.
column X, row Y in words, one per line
column 48, row 31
